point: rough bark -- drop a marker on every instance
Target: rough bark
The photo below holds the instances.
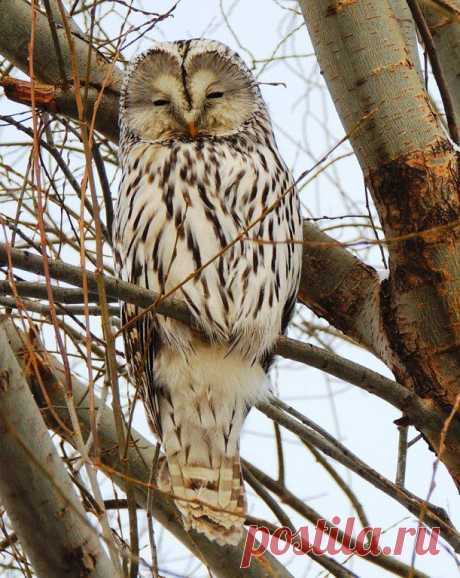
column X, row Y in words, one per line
column 338, row 286
column 140, row 456
column 411, row 168
column 36, row 490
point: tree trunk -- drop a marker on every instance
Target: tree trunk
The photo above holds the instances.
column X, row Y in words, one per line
column 411, row 168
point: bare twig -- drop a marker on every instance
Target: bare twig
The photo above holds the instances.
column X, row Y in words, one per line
column 402, row 456
column 434, row 517
column 41, row 496
column 437, row 69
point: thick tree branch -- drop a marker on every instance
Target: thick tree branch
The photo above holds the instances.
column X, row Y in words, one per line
column 35, row 488
column 15, row 31
column 74, row 276
column 420, row 414
column 55, row 100
column 364, row 76
column 16, row 26
column 338, row 286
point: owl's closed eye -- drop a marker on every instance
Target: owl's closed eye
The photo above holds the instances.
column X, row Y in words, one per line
column 175, row 95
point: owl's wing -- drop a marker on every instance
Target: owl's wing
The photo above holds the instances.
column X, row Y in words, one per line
column 142, row 340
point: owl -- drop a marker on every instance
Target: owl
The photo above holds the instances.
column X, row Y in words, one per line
column 208, row 213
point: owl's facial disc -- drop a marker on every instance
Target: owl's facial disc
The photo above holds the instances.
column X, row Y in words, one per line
column 205, row 95
column 221, row 93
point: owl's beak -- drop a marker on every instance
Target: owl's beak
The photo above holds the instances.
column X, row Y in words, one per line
column 192, row 129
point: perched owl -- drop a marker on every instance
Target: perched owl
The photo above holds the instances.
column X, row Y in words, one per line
column 200, row 164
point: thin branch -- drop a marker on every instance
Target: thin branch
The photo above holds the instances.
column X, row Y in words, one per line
column 35, row 307
column 62, row 165
column 434, row 516
column 310, row 514
column 279, row 453
column 346, row 489
column 437, row 68
column 335, row 569
column 51, row 20
column 265, row 496
column 402, row 456
column 105, row 185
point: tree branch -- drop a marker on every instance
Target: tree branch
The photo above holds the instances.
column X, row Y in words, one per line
column 427, row 419
column 15, row 31
column 36, row 489
column 224, row 562
column 391, row 564
column 16, row 26
column 438, row 70
column 432, row 515
column 338, row 286
column 443, row 19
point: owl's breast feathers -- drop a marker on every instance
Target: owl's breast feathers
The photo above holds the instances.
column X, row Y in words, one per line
column 212, row 220
column 218, row 222
column 182, row 214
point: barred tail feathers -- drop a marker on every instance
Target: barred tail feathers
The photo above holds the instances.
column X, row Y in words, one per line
column 203, row 404
column 211, row 500
column 204, row 467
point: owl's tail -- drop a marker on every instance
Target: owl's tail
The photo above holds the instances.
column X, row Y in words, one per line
column 202, row 410
column 211, row 500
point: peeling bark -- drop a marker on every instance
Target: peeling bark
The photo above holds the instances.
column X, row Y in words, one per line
column 55, row 100
column 418, row 193
column 336, row 285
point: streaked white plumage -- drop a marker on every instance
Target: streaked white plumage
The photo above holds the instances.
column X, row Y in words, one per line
column 200, row 166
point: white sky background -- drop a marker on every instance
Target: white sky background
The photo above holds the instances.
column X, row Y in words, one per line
column 306, row 127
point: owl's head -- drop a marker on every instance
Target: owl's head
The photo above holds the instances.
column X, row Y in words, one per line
column 188, row 89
